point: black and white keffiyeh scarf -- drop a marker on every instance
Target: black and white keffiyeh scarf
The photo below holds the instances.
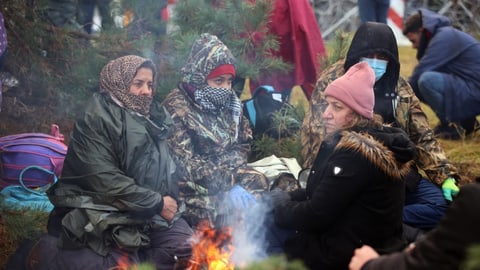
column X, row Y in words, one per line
column 214, row 100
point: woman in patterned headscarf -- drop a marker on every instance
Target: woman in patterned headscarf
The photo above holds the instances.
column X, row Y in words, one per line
column 115, row 195
column 211, row 138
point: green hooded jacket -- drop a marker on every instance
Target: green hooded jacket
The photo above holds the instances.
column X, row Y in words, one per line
column 116, row 171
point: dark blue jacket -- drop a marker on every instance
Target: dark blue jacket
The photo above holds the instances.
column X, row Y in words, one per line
column 457, row 54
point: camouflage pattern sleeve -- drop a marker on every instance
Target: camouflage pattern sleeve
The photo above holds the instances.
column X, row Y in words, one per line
column 312, row 131
column 431, row 156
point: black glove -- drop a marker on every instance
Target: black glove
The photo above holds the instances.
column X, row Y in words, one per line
column 277, row 198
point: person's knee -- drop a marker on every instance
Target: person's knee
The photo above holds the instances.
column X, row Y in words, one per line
column 432, row 90
column 424, row 83
column 430, row 82
column 423, row 216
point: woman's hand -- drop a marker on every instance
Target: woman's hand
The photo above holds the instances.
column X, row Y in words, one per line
column 361, row 256
column 169, row 209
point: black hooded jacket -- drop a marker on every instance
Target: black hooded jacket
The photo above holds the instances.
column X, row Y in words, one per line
column 372, row 38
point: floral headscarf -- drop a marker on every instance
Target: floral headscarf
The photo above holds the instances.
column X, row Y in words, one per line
column 116, row 78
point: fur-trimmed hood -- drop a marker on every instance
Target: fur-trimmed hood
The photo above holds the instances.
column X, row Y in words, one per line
column 388, row 148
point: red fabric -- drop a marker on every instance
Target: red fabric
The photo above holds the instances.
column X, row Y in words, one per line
column 428, row 35
column 301, row 44
column 165, row 15
column 220, row 70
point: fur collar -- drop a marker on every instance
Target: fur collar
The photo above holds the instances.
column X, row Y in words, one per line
column 376, row 152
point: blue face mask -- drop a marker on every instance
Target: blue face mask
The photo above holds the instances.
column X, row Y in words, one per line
column 378, row 65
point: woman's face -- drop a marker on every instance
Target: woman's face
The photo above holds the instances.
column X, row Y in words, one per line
column 222, row 81
column 337, row 115
column 142, row 83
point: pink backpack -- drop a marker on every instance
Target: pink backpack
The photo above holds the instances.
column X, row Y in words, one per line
column 20, row 151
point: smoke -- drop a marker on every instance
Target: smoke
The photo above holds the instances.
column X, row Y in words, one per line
column 248, row 222
column 249, row 235
column 249, row 225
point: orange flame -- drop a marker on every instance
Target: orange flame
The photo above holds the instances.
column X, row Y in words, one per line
column 123, row 263
column 212, row 249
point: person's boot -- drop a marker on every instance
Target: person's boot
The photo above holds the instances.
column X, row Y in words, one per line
column 470, row 125
column 452, row 131
column 442, row 127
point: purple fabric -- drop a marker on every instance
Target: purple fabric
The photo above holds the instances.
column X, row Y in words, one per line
column 20, row 151
column 3, row 35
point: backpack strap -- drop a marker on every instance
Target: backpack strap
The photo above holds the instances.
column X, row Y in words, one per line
column 252, row 113
column 40, row 190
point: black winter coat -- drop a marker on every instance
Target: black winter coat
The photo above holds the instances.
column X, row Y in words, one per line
column 354, row 196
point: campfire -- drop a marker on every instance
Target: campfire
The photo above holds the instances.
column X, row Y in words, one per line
column 230, row 244
column 212, row 249
column 124, row 263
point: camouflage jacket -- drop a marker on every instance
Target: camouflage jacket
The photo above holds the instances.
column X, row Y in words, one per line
column 408, row 115
column 210, row 158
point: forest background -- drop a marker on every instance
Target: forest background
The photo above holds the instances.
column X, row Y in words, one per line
column 57, row 69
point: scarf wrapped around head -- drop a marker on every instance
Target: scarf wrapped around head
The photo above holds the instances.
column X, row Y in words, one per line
column 209, row 53
column 116, row 78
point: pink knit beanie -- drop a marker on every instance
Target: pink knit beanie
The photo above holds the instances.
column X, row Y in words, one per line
column 355, row 89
